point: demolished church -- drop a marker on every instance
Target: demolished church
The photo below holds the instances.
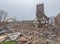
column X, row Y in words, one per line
column 42, row 19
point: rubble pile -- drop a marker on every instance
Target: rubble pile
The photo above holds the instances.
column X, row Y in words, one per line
column 41, row 35
column 33, row 35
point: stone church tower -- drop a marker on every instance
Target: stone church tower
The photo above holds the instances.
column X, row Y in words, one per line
column 42, row 19
column 39, row 9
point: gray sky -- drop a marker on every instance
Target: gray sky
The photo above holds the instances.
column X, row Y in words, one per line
column 26, row 9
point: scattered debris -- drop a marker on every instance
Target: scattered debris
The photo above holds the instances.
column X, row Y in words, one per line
column 2, row 38
column 14, row 36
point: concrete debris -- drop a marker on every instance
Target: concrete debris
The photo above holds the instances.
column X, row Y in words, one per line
column 32, row 35
column 44, row 36
column 22, row 38
column 2, row 38
column 5, row 29
column 14, row 36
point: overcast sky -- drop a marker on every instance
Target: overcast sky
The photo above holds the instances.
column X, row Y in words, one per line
column 26, row 9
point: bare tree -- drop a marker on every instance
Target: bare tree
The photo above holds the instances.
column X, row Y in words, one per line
column 3, row 15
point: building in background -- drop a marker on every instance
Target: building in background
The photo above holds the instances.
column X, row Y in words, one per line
column 52, row 20
column 57, row 19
